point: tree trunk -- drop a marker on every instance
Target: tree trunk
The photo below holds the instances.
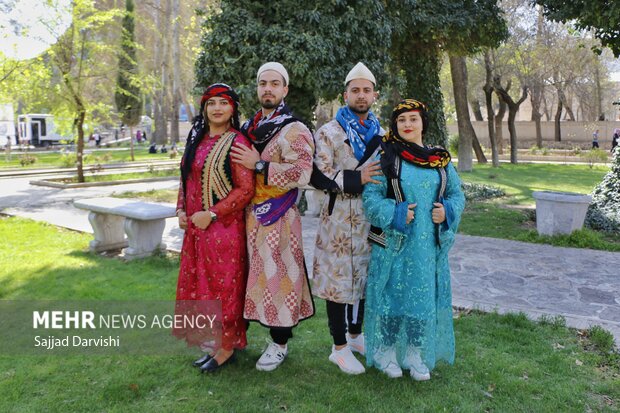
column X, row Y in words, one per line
column 513, row 108
column 176, row 71
column 80, row 142
column 536, row 117
column 480, row 156
column 131, row 143
column 458, row 70
column 558, row 118
column 488, row 96
column 535, row 98
column 512, row 114
column 566, row 104
column 546, row 108
column 160, row 132
column 597, row 92
column 421, row 63
column 475, row 108
column 499, row 132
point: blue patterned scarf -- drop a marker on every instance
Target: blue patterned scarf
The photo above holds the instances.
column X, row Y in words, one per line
column 359, row 132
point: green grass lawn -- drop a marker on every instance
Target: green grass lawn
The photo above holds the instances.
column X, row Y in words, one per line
column 93, row 156
column 519, row 181
column 503, row 363
column 157, row 195
column 494, row 219
column 158, row 173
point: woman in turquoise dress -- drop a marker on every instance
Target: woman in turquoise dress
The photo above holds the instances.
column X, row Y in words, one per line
column 414, row 212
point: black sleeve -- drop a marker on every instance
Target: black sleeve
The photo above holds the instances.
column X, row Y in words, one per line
column 352, row 182
column 266, row 173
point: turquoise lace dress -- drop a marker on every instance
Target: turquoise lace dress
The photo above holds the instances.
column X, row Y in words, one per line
column 408, row 297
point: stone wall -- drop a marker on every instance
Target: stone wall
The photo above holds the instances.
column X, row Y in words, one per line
column 573, row 133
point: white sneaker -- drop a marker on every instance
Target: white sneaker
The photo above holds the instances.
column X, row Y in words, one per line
column 357, row 344
column 272, row 357
column 419, row 371
column 393, row 370
column 345, row 359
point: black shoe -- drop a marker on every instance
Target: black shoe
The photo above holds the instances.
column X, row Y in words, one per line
column 212, row 365
column 202, row 360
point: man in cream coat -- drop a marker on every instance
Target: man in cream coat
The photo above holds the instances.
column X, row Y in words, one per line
column 346, row 150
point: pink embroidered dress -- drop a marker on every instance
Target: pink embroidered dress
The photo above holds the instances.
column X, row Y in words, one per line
column 214, row 261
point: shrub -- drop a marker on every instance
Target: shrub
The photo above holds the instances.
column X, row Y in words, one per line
column 27, row 159
column 475, row 192
column 595, row 156
column 453, row 144
column 555, row 322
column 602, row 339
column 604, row 211
column 534, row 149
column 575, row 151
column 68, row 160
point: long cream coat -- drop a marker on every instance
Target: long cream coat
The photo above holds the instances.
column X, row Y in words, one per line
column 342, row 252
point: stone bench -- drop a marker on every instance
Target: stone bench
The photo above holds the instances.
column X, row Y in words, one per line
column 112, row 218
column 560, row 212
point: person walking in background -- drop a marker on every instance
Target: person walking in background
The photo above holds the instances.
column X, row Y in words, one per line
column 414, row 212
column 595, row 139
column 213, row 194
column 615, row 139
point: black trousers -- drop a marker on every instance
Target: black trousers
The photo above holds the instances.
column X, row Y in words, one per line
column 342, row 317
column 281, row 335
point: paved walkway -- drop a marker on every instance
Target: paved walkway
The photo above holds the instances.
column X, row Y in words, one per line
column 488, row 274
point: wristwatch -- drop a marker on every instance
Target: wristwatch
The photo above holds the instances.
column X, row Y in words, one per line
column 260, row 166
column 213, row 216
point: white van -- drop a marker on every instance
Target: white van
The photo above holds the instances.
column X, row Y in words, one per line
column 7, row 125
column 37, row 129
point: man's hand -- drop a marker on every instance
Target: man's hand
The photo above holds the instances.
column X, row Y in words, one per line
column 245, row 156
column 201, row 219
column 373, row 169
column 439, row 213
column 182, row 219
column 410, row 213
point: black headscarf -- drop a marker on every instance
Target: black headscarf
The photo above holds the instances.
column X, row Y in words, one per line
column 394, row 145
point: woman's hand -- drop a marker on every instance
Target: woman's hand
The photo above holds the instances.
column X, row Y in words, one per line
column 201, row 219
column 439, row 213
column 182, row 219
column 410, row 213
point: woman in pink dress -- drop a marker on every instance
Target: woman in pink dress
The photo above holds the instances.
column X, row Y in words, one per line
column 212, row 197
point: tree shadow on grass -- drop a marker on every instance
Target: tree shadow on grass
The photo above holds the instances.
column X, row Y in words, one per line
column 95, row 277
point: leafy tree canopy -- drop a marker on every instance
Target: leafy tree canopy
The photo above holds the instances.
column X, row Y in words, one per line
column 318, row 43
column 600, row 16
column 422, row 29
column 127, row 96
column 462, row 26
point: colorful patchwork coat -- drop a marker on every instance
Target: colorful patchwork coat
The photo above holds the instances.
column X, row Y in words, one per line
column 278, row 292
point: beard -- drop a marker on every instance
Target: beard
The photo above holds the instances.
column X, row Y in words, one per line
column 360, row 108
column 270, row 104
